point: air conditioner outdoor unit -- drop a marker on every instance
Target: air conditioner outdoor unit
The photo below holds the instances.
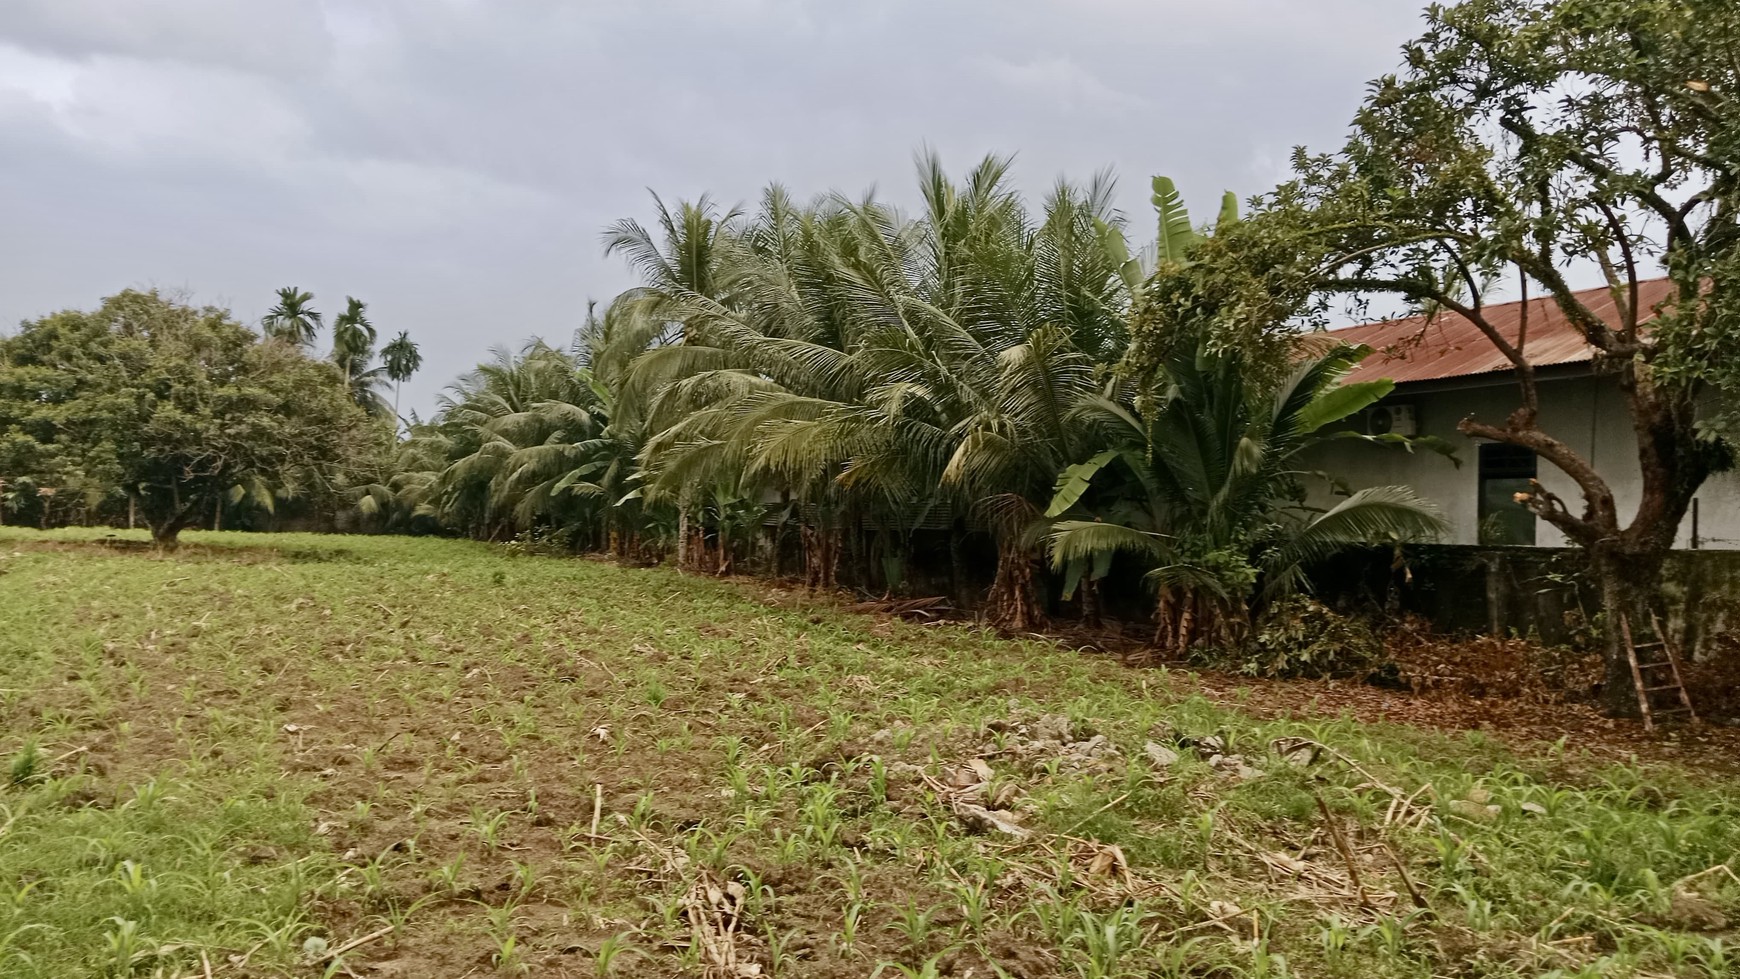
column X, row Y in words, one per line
column 1391, row 420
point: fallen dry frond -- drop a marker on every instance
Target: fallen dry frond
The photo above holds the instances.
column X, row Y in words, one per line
column 713, row 908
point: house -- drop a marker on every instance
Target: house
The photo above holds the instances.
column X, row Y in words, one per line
column 1446, row 370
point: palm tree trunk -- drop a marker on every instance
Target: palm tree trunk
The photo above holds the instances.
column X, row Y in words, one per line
column 1014, row 597
column 683, row 536
column 811, row 544
column 1090, row 602
column 821, row 557
column 958, row 561
column 1166, row 622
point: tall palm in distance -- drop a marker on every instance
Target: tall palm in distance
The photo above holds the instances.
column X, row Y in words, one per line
column 353, row 350
column 353, row 336
column 401, row 358
column 293, row 320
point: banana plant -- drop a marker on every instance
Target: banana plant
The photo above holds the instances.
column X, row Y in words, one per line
column 1177, row 238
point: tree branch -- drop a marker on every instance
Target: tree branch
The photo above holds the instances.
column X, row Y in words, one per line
column 1414, row 289
column 1600, row 517
column 1627, row 308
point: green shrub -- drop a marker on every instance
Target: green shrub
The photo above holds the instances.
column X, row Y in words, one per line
column 1300, row 637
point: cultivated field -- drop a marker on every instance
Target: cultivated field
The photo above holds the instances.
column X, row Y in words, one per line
column 308, row 756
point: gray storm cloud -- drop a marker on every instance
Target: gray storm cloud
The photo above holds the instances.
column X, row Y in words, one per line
column 453, row 161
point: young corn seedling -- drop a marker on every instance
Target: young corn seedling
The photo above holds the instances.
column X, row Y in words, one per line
column 447, row 876
column 489, row 826
column 851, row 918
column 611, row 952
column 914, row 924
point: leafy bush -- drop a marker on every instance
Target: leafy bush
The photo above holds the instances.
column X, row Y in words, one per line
column 1299, row 637
column 542, row 541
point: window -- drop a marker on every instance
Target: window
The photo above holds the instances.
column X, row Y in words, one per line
column 1505, row 471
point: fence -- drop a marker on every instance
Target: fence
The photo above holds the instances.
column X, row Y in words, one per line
column 1541, row 591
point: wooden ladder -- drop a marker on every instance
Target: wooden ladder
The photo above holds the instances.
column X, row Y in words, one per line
column 1654, row 676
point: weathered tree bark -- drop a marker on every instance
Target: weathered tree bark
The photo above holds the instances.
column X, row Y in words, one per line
column 1091, row 615
column 821, row 557
column 1189, row 619
column 1630, row 586
column 1014, row 599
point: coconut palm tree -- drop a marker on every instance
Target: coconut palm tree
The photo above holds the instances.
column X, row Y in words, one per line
column 504, row 440
column 875, row 372
column 879, row 369
column 1203, row 482
column 678, row 267
column 293, row 319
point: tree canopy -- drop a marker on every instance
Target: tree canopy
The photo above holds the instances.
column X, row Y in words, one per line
column 170, row 407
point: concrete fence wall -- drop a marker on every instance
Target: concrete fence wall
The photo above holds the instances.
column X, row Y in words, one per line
column 1530, row 590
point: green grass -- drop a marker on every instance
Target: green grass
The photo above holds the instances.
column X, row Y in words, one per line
column 262, row 749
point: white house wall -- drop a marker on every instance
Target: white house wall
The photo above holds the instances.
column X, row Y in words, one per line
column 1585, row 412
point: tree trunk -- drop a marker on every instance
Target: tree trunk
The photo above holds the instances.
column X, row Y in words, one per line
column 821, row 557
column 1630, row 584
column 1014, row 597
column 861, row 575
column 1191, row 619
column 958, row 561
column 683, row 538
column 809, row 544
column 167, row 534
column 832, row 539
column 1090, row 602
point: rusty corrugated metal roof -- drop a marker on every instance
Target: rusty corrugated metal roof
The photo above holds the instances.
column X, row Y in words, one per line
column 1417, row 349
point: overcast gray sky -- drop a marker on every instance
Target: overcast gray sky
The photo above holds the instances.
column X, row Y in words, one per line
column 453, row 162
